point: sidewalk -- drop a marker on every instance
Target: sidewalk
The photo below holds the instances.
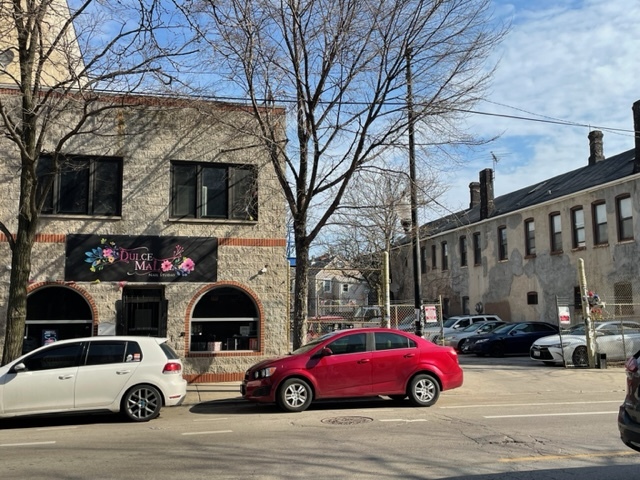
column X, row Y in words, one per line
column 208, row 392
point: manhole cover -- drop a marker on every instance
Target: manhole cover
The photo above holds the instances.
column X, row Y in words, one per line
column 347, row 420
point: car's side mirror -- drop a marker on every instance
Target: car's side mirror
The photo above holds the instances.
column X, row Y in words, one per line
column 325, row 352
column 19, row 367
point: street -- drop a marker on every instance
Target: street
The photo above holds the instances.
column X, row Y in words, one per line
column 512, row 419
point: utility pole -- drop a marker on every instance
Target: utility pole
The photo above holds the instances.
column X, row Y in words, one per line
column 415, row 227
column 586, row 308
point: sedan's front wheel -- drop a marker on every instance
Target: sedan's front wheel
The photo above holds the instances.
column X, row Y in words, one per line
column 142, row 403
column 294, row 395
column 424, row 390
column 580, row 357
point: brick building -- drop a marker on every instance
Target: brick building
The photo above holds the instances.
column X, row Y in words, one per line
column 164, row 221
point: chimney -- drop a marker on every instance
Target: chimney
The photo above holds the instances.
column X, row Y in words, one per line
column 486, row 193
column 596, row 153
column 474, row 190
column 636, row 129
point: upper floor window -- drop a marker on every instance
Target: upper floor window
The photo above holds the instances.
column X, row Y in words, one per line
column 463, row 251
column 326, row 285
column 82, row 185
column 625, row 218
column 503, row 250
column 445, row 256
column 577, row 227
column 477, row 251
column 423, row 259
column 530, row 237
column 600, row 234
column 205, row 190
column 433, row 256
column 555, row 226
column 345, row 288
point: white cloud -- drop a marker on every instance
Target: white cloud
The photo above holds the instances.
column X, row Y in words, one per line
column 568, row 60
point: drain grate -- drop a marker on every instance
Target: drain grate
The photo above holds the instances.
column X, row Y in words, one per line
column 346, row 420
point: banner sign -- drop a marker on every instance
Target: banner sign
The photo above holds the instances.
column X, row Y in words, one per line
column 113, row 258
column 430, row 313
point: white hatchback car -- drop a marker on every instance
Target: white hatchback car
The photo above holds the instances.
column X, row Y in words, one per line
column 132, row 375
column 572, row 345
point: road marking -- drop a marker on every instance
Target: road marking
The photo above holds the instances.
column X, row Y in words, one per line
column 550, row 414
column 48, row 429
column 208, row 433
column 529, row 404
column 565, row 457
column 209, row 420
column 24, row 444
column 403, row 420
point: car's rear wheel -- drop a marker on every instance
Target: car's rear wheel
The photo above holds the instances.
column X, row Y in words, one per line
column 294, row 395
column 424, row 390
column 461, row 344
column 580, row 357
column 141, row 403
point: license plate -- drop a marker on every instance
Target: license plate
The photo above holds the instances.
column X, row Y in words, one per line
column 536, row 354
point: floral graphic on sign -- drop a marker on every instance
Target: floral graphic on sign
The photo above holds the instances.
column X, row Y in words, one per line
column 108, row 253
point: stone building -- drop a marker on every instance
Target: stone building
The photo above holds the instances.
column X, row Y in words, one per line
column 164, row 221
column 517, row 255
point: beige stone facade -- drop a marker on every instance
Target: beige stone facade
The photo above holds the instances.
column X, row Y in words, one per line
column 593, row 213
column 148, row 136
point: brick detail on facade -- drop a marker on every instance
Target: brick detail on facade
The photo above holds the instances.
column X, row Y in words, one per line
column 214, row 377
column 252, row 242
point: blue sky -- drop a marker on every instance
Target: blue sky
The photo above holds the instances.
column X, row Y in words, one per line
column 570, row 60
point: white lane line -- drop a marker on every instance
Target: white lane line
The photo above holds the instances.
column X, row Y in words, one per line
column 209, row 420
column 208, row 433
column 570, row 414
column 48, row 429
column 530, row 404
column 403, row 420
column 25, row 444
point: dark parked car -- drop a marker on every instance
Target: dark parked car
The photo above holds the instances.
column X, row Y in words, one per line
column 361, row 362
column 629, row 414
column 510, row 339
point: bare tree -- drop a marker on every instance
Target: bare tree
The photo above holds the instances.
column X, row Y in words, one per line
column 370, row 219
column 340, row 68
column 55, row 64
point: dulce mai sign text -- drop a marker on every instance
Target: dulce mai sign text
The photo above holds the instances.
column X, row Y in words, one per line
column 113, row 258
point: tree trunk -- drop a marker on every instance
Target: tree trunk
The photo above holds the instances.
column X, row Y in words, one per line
column 300, row 296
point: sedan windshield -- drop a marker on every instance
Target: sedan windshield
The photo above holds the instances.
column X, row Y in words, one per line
column 473, row 327
column 314, row 343
column 504, row 328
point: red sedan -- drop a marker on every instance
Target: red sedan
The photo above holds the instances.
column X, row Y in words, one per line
column 352, row 363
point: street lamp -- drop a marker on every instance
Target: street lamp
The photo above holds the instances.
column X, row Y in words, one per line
column 414, row 225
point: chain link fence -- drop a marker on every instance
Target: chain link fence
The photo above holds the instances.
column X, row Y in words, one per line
column 615, row 315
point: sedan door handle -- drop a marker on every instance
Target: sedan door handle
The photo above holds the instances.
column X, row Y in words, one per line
column 410, row 355
column 65, row 377
column 364, row 360
column 123, row 372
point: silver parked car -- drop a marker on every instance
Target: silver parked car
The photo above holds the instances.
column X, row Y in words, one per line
column 616, row 339
column 456, row 323
column 457, row 339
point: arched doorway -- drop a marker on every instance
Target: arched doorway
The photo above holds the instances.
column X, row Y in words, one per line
column 224, row 319
column 56, row 313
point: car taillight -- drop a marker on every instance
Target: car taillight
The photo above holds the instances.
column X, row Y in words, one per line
column 631, row 365
column 172, row 367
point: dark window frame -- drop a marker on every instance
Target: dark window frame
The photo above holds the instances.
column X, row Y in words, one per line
column 530, row 237
column 577, row 230
column 600, row 227
column 477, row 249
column 444, row 251
column 625, row 224
column 462, row 245
column 87, row 185
column 434, row 257
column 503, row 246
column 227, row 200
column 555, row 232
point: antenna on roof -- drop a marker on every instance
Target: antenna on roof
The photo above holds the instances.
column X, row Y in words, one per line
column 495, row 162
